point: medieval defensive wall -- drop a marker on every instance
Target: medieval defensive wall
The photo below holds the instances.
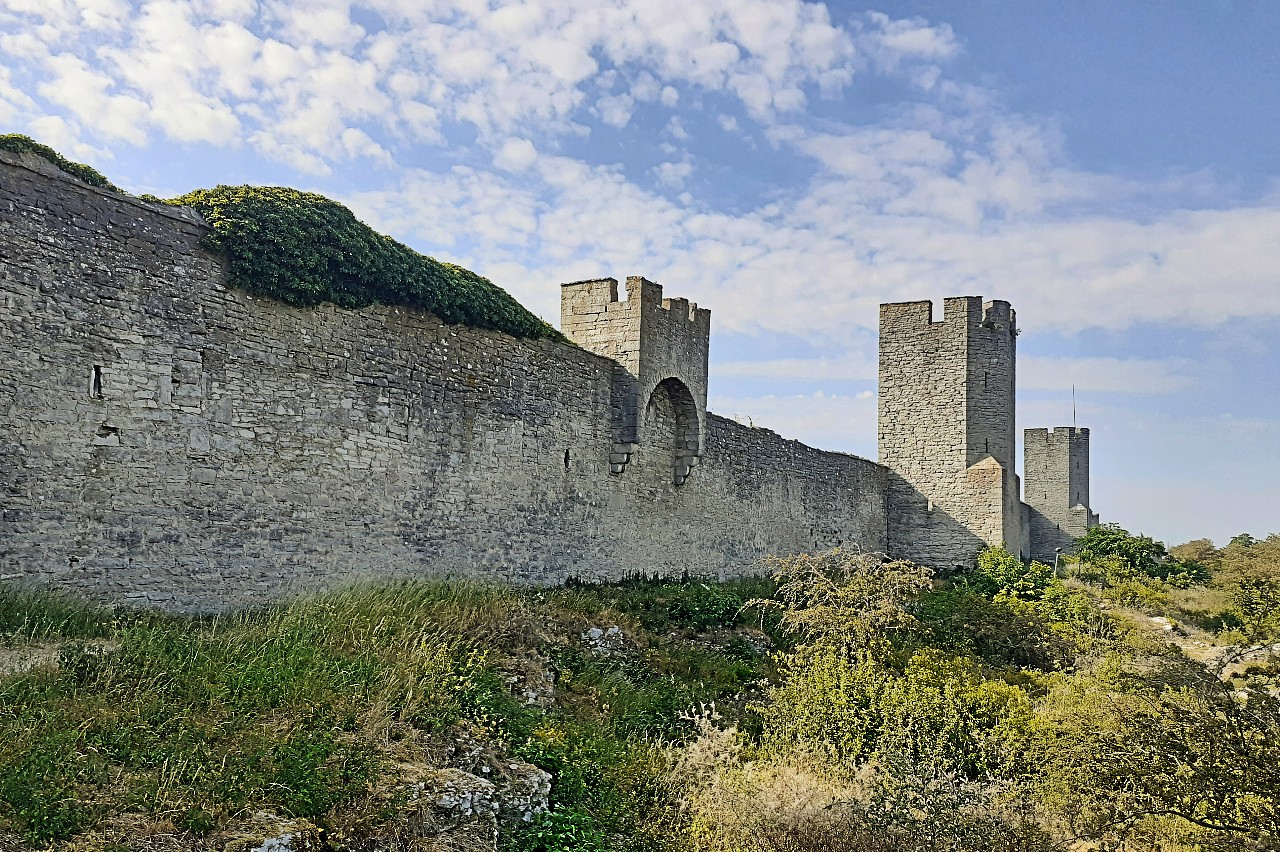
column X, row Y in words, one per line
column 168, row 441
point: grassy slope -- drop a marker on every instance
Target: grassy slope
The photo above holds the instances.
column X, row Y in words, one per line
column 160, row 727
column 180, row 728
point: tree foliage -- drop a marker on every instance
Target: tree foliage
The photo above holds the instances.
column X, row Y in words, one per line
column 1155, row 736
column 1248, row 569
column 846, row 598
column 858, row 685
column 1137, row 552
column 1118, row 555
column 999, row 572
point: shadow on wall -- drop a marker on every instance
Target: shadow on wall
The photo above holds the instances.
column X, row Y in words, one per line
column 1047, row 536
column 670, row 428
column 926, row 533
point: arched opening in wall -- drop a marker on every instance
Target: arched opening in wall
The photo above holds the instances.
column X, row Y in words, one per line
column 670, row 432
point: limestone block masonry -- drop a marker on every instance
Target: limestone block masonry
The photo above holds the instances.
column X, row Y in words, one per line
column 168, row 441
column 659, row 398
column 946, row 429
column 1056, row 463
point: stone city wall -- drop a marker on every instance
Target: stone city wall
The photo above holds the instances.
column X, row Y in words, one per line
column 170, row 442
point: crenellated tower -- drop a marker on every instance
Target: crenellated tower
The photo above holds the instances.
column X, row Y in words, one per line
column 660, row 386
column 946, row 429
column 1056, row 489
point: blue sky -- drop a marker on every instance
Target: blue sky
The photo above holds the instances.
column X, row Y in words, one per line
column 1109, row 168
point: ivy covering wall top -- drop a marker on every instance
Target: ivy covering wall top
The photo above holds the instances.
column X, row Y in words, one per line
column 19, row 144
column 305, row 249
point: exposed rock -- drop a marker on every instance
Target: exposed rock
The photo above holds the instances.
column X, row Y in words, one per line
column 524, row 791
column 605, row 642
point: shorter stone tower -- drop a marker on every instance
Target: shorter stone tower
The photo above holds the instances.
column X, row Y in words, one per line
column 660, row 386
column 1056, row 489
column 946, row 429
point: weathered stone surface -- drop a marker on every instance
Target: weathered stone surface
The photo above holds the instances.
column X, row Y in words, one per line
column 946, row 429
column 167, row 441
column 1056, row 490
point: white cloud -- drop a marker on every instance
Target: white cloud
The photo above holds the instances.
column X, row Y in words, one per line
column 87, row 95
column 615, row 110
column 892, row 42
column 856, row 365
column 516, row 155
column 675, row 129
column 646, row 87
column 673, row 174
column 63, row 135
column 303, row 73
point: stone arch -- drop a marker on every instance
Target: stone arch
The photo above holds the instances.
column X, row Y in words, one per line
column 672, row 427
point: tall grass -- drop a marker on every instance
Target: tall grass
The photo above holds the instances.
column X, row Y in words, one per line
column 297, row 708
column 31, row 615
column 314, row 708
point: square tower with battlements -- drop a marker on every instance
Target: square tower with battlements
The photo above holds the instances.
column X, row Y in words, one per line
column 1056, row 489
column 660, row 387
column 946, row 429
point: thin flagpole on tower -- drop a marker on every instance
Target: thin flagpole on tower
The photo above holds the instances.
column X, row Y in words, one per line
column 1073, row 406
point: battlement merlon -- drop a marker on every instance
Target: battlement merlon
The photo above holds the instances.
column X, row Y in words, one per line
column 592, row 290
column 970, row 311
column 589, row 298
column 1044, row 435
column 999, row 314
column 904, row 316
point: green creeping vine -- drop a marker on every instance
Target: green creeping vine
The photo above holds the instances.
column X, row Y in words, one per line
column 304, row 249
column 19, row 144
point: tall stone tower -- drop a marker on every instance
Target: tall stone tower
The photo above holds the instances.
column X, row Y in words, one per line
column 1056, row 489
column 660, row 386
column 946, row 429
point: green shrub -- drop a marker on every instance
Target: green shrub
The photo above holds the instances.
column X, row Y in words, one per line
column 1003, row 632
column 19, row 144
column 1121, row 553
column 999, row 572
column 305, row 249
column 661, row 604
column 561, row 830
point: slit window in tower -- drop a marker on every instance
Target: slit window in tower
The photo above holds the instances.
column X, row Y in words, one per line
column 566, row 459
column 95, row 382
